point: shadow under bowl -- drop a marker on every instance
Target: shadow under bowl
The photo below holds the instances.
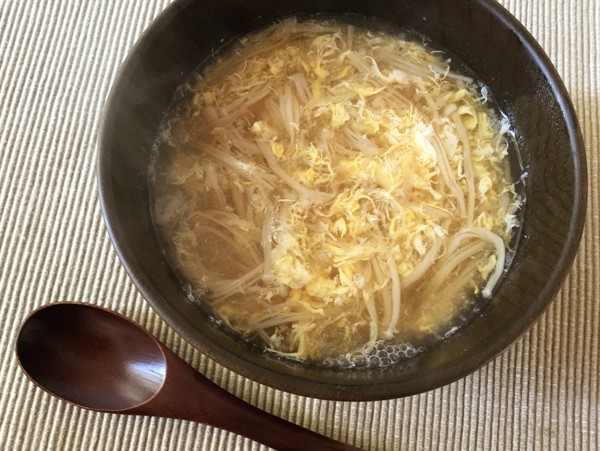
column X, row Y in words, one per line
column 479, row 32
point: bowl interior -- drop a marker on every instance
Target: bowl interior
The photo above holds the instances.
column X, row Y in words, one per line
column 483, row 35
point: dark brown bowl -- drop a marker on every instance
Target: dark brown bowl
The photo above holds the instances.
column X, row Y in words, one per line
column 481, row 33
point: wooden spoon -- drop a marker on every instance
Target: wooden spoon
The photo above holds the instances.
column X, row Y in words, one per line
column 100, row 360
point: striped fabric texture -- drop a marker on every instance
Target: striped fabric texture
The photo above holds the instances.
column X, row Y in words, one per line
column 58, row 59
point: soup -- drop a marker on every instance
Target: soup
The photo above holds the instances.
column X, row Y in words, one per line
column 332, row 191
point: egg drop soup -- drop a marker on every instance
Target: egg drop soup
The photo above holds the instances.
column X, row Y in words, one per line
column 336, row 193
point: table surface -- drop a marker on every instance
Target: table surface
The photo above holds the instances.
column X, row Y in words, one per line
column 58, row 60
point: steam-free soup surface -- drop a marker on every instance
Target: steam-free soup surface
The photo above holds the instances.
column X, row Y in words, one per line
column 325, row 189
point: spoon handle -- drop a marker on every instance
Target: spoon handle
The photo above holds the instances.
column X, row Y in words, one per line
column 188, row 395
column 228, row 412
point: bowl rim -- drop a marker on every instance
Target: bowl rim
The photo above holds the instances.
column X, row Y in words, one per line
column 322, row 390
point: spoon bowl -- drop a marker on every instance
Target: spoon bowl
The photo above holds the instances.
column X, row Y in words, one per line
column 100, row 360
column 91, row 357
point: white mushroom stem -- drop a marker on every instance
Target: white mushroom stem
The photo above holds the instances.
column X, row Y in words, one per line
column 469, row 173
column 390, row 331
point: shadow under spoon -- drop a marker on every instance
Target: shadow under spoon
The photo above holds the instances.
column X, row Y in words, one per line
column 100, row 360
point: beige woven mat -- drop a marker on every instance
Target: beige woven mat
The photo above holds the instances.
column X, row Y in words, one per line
column 57, row 61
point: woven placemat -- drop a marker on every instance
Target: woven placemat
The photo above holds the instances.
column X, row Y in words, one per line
column 57, row 62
